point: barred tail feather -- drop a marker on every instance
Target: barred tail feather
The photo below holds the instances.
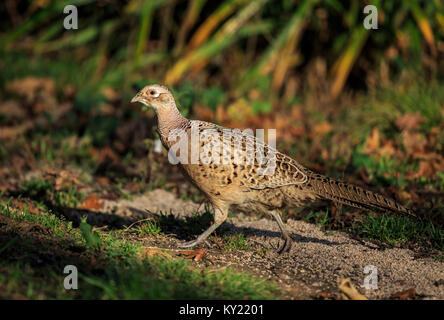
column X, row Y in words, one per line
column 354, row 196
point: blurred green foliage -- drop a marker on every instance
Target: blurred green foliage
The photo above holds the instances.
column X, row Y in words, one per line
column 230, row 56
column 90, row 236
column 232, row 45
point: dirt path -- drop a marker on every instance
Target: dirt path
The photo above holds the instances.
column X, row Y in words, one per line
column 315, row 263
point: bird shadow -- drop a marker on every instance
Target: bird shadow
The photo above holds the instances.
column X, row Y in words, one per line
column 182, row 227
column 94, row 218
column 251, row 231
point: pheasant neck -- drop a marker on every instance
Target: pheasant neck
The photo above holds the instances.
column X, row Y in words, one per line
column 169, row 119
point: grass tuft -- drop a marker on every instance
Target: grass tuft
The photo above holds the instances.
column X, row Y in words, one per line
column 400, row 230
column 236, row 241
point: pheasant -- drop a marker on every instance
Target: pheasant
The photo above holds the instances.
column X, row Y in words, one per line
column 238, row 177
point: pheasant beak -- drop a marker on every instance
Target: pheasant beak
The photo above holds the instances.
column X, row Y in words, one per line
column 136, row 98
column 139, row 98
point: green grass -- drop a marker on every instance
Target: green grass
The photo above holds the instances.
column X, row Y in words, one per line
column 236, row 241
column 150, row 228
column 321, row 219
column 384, row 170
column 388, row 229
column 400, row 230
column 36, row 187
column 171, row 279
column 32, row 266
column 123, row 194
column 68, row 197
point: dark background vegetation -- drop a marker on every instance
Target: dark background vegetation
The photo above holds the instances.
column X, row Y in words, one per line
column 363, row 105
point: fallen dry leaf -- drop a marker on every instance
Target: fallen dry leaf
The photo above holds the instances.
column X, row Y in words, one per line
column 413, row 141
column 91, row 202
column 104, row 181
column 22, row 205
column 64, row 179
column 321, row 129
column 372, row 142
column 387, row 149
column 404, row 295
column 426, row 169
column 409, row 121
column 326, row 296
column 197, row 254
column 61, row 179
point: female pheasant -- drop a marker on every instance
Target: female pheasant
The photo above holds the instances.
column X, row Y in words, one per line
column 226, row 166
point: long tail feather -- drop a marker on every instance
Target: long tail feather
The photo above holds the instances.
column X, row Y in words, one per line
column 353, row 195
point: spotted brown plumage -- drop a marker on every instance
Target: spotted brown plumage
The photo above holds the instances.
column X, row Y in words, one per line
column 232, row 173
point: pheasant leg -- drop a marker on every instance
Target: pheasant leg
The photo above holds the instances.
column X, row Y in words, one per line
column 219, row 217
column 286, row 246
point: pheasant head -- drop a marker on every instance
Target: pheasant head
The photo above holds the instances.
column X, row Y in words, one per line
column 161, row 99
column 155, row 96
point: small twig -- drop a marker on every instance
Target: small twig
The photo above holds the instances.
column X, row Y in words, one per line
column 99, row 228
column 349, row 291
column 138, row 221
column 217, row 241
column 167, row 249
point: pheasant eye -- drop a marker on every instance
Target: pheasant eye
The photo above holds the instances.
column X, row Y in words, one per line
column 154, row 93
